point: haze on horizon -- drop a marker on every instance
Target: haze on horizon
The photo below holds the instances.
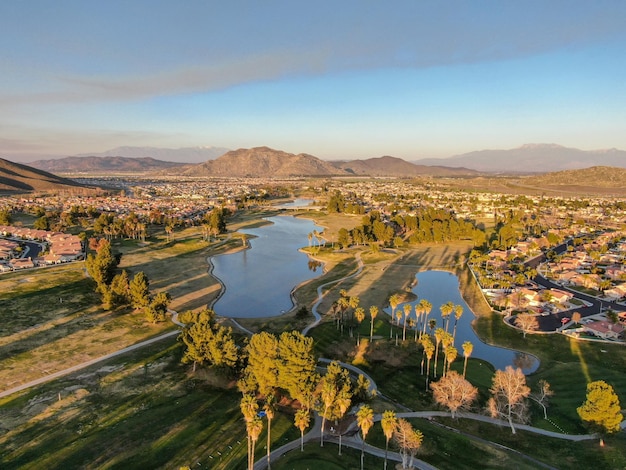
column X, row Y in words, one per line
column 353, row 79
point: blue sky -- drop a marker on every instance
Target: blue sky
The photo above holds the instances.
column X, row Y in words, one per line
column 341, row 79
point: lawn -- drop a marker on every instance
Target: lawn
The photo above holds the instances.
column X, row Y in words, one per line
column 141, row 411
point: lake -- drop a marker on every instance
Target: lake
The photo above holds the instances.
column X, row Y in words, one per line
column 259, row 280
column 439, row 287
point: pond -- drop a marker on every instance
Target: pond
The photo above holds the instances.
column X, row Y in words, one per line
column 259, row 280
column 439, row 287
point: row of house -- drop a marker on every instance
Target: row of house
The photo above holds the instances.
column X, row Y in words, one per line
column 60, row 248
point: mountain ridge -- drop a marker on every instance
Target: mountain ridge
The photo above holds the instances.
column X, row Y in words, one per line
column 531, row 158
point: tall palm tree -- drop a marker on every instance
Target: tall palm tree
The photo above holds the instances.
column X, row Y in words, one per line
column 394, row 301
column 446, row 310
column 344, row 399
column 270, row 411
column 451, row 355
column 373, row 315
column 446, row 342
column 359, row 314
column 425, row 341
column 458, row 312
column 429, row 350
column 365, row 420
column 388, row 422
column 439, row 334
column 432, row 323
column 407, row 311
column 426, row 307
column 468, row 347
column 249, row 408
column 302, row 421
column 254, row 429
column 419, row 312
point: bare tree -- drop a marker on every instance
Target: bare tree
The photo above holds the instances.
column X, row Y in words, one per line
column 454, row 392
column 543, row 396
column 527, row 322
column 409, row 440
column 509, row 392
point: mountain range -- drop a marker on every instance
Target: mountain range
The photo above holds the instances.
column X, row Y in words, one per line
column 93, row 164
column 531, row 158
column 180, row 155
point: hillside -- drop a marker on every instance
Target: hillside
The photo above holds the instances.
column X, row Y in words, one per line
column 263, row 162
column 103, row 164
column 392, row 166
column 19, row 178
column 595, row 177
column 532, row 158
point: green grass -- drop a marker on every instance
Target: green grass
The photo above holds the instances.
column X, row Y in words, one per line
column 143, row 411
column 327, row 458
column 568, row 365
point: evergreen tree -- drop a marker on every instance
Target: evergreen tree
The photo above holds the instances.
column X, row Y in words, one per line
column 101, row 267
column 139, row 290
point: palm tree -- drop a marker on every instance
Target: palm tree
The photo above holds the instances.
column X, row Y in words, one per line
column 302, row 421
column 426, row 307
column 446, row 310
column 418, row 316
column 451, row 355
column 429, row 349
column 254, row 429
column 458, row 312
column 344, row 399
column 446, row 342
column 407, row 311
column 249, row 408
column 424, row 340
column 388, row 423
column 439, row 334
column 394, row 301
column 432, row 323
column 269, row 413
column 359, row 314
column 468, row 347
column 373, row 315
column 365, row 420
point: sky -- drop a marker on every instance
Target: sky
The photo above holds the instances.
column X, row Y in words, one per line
column 335, row 79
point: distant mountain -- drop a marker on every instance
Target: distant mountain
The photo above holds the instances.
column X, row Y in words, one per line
column 532, row 158
column 181, row 155
column 19, row 178
column 103, row 164
column 264, row 162
column 396, row 167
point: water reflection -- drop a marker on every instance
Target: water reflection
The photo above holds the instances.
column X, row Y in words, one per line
column 259, row 281
column 439, row 287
